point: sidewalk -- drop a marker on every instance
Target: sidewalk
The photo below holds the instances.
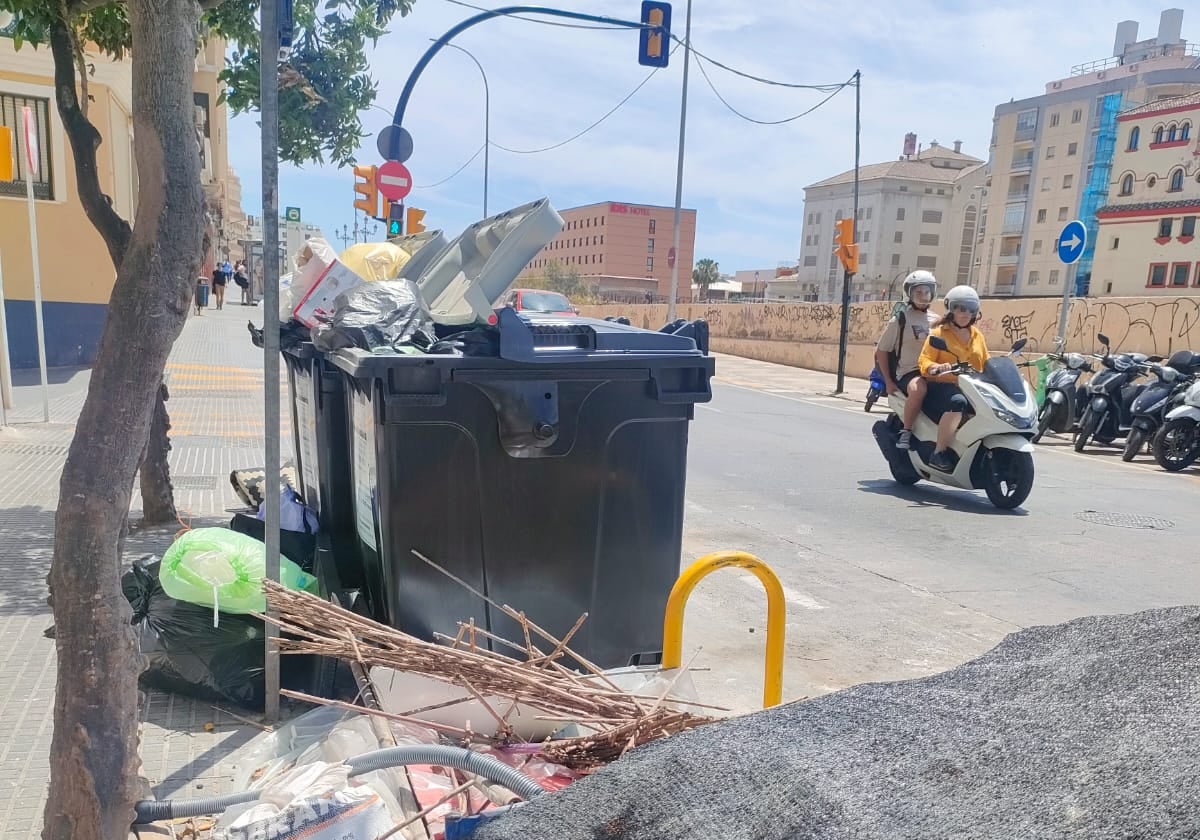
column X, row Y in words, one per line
column 216, row 384
column 781, row 379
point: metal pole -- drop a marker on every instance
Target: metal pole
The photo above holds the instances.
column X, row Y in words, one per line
column 269, row 82
column 5, row 369
column 847, row 276
column 487, row 121
column 1065, row 307
column 37, row 274
column 687, row 53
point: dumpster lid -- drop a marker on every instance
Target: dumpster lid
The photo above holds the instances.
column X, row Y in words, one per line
column 538, row 337
column 421, row 248
column 464, row 281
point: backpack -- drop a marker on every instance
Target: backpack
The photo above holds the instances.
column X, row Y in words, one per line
column 894, row 356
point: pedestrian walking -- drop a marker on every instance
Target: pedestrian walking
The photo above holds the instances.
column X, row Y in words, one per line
column 219, row 279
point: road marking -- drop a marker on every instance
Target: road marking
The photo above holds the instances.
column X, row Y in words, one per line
column 709, row 408
column 792, row 596
column 696, row 507
column 806, row 401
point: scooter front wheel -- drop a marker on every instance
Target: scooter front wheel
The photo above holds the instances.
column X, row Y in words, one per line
column 1084, row 433
column 872, row 396
column 1044, row 420
column 1134, row 444
column 1008, row 477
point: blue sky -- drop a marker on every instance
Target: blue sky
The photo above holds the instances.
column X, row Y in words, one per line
column 935, row 68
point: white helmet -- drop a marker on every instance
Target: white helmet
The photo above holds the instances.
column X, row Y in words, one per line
column 963, row 297
column 920, row 277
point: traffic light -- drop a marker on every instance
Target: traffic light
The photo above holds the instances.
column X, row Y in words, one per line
column 412, row 221
column 395, row 219
column 844, row 245
column 653, row 46
column 365, row 186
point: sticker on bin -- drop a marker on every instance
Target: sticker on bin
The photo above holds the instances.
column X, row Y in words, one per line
column 364, row 469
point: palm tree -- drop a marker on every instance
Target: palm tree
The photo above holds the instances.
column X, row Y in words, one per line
column 705, row 274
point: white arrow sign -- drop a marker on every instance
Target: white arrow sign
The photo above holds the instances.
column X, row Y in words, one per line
column 1072, row 242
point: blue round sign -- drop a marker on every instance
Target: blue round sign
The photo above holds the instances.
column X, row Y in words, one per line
column 1072, row 241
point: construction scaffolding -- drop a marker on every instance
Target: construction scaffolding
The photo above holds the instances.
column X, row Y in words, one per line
column 1096, row 192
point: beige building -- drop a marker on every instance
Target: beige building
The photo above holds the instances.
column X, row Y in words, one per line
column 617, row 240
column 1147, row 231
column 920, row 211
column 1052, row 156
column 222, row 188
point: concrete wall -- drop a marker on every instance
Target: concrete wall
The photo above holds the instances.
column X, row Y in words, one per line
column 806, row 334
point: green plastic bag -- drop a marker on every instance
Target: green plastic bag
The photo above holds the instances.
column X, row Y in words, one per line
column 219, row 568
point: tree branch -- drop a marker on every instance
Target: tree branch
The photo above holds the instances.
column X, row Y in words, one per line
column 85, row 140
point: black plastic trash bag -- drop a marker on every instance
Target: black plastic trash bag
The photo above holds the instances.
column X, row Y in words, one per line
column 188, row 656
column 292, row 334
column 385, row 313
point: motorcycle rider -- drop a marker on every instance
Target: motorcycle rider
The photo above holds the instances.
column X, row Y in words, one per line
column 899, row 348
column 944, row 402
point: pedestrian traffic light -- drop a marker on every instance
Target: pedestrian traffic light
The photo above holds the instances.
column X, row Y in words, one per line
column 653, row 46
column 412, row 221
column 844, row 245
column 395, row 218
column 365, row 186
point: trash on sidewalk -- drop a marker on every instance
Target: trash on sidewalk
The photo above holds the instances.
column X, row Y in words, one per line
column 320, row 277
column 294, row 515
column 383, row 315
column 187, row 655
column 224, row 570
column 248, row 484
column 375, row 261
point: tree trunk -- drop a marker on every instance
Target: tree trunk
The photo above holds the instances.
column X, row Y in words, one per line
column 158, row 496
column 94, row 761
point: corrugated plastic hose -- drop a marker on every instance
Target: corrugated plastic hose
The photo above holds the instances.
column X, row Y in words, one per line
column 495, row 771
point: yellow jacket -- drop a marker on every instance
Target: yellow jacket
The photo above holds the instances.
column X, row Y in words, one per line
column 974, row 351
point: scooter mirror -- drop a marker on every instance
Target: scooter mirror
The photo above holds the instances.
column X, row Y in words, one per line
column 1019, row 345
column 939, row 343
column 1103, row 339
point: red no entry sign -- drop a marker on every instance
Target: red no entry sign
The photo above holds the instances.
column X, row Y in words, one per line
column 394, row 180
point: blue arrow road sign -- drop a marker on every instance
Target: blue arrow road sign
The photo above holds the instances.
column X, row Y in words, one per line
column 1072, row 241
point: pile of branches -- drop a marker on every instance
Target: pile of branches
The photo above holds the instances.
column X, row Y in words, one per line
column 620, row 720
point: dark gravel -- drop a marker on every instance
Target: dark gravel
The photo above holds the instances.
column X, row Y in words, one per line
column 1087, row 730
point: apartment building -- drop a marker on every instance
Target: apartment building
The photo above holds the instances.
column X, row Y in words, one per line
column 920, row 211
column 1052, row 156
column 615, row 240
column 1147, row 231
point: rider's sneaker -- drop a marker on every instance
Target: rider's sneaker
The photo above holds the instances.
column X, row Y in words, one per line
column 904, row 441
column 942, row 461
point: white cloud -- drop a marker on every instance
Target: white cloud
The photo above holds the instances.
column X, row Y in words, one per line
column 936, row 68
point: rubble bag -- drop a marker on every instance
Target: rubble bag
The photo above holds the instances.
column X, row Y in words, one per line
column 219, row 568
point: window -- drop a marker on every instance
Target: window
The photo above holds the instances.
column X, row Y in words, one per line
column 649, row 264
column 1062, row 213
column 869, row 212
column 1054, row 120
column 931, row 239
column 1180, row 273
column 1185, row 131
column 1072, row 149
column 810, row 262
column 1151, row 182
column 1077, row 115
column 1127, row 185
column 866, row 236
column 929, row 191
column 652, row 224
column 1116, row 243
column 810, row 219
column 932, row 217
column 1045, row 185
column 927, row 262
column 1050, row 151
column 895, row 260
column 1068, row 181
column 1158, row 133
column 1027, row 120
column 900, row 216
column 903, row 188
column 650, row 245
column 1164, row 228
column 1189, row 226
column 1034, row 278
column 1041, row 216
column 899, row 237
column 1134, row 136
column 10, row 115
column 1158, row 275
column 818, row 218
column 1054, row 277
column 941, row 192
column 1172, row 133
column 1176, row 181
column 1037, row 246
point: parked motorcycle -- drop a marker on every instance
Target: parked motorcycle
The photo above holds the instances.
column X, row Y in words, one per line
column 1108, row 414
column 1150, row 408
column 1177, row 444
column 992, row 445
column 1065, row 397
column 876, row 389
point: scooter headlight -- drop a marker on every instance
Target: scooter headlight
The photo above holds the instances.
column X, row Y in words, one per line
column 1014, row 420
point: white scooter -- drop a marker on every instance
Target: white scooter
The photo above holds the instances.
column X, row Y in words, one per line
column 1177, row 443
column 993, row 444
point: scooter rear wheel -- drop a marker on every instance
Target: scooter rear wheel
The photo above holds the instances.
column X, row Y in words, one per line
column 1175, row 445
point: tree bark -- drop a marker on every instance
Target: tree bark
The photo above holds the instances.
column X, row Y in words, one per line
column 94, row 761
column 158, row 495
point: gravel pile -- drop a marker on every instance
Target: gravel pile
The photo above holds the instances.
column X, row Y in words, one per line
column 1087, row 730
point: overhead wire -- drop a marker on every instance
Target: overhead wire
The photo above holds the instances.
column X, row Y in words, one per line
column 836, row 90
column 453, row 174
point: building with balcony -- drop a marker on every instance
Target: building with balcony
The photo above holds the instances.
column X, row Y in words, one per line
column 1146, row 243
column 1052, row 157
column 920, row 211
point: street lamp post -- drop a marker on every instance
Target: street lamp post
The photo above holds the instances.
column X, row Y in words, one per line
column 754, row 296
column 487, row 122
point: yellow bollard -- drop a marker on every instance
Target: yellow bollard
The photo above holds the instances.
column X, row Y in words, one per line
column 776, row 615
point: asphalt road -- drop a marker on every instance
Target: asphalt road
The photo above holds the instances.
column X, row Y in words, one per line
column 887, row 583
